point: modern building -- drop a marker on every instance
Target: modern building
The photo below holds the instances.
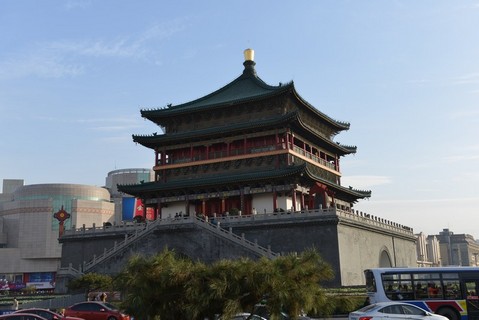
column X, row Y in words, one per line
column 447, row 249
column 458, row 249
column 428, row 251
column 31, row 220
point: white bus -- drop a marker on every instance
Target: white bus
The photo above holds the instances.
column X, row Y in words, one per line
column 449, row 291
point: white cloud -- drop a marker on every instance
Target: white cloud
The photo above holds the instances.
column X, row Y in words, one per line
column 365, row 182
column 74, row 4
column 42, row 66
column 461, row 157
column 59, row 59
column 122, row 48
column 471, row 78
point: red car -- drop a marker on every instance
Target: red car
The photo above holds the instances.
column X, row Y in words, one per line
column 21, row 316
column 47, row 314
column 95, row 310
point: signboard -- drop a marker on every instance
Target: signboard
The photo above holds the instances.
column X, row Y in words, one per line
column 132, row 207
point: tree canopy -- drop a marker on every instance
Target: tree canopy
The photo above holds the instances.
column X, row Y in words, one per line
column 167, row 286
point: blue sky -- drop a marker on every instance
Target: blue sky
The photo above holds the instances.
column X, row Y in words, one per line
column 74, row 75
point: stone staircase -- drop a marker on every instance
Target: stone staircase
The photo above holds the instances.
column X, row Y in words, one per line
column 149, row 227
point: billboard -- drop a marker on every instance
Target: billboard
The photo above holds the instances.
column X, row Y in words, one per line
column 132, row 207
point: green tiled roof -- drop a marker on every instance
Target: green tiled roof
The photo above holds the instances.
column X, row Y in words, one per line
column 152, row 141
column 191, row 185
column 247, row 87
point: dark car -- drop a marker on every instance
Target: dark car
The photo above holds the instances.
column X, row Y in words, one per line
column 21, row 316
column 95, row 310
column 47, row 314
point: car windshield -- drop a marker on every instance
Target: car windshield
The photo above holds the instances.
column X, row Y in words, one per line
column 367, row 308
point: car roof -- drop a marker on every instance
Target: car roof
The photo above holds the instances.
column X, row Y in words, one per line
column 5, row 316
column 378, row 305
column 30, row 309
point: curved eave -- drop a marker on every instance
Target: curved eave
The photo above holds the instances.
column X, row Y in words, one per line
column 245, row 88
column 215, row 180
column 140, row 190
column 152, row 141
column 349, row 193
column 341, row 149
column 339, row 125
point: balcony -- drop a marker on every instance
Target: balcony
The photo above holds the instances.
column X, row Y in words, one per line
column 243, row 153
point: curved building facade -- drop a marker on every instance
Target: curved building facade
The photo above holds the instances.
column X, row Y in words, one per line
column 30, row 227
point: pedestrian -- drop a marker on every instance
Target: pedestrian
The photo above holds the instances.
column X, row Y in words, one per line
column 103, row 297
column 15, row 303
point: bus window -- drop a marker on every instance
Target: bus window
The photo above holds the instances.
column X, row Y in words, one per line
column 427, row 286
column 397, row 286
column 370, row 281
column 434, row 289
column 452, row 289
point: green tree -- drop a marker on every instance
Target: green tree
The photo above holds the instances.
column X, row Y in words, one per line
column 294, row 286
column 91, row 282
column 155, row 286
column 170, row 287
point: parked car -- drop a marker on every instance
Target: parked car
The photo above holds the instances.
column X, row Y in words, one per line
column 47, row 314
column 261, row 312
column 245, row 315
column 21, row 316
column 393, row 310
column 95, row 310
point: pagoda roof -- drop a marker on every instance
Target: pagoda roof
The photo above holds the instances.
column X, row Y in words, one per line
column 218, row 180
column 245, row 88
column 152, row 141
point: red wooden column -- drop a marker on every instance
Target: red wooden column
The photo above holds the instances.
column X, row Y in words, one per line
column 144, row 208
column 203, row 207
column 294, row 200
column 242, row 208
column 223, row 205
column 275, row 199
column 158, row 210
